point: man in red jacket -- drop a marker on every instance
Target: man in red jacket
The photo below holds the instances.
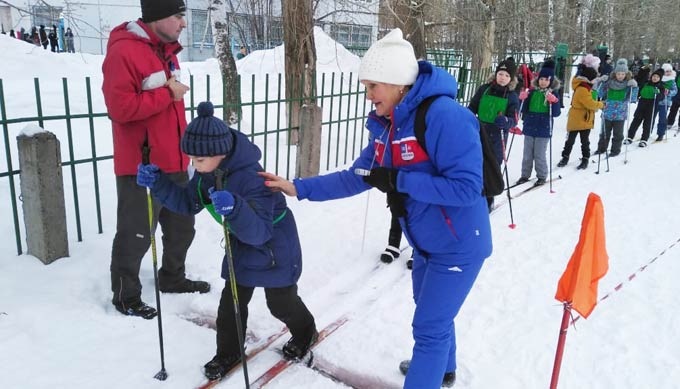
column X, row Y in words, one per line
column 145, row 100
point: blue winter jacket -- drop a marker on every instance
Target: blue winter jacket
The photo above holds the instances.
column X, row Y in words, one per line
column 537, row 124
column 263, row 235
column 446, row 212
column 614, row 110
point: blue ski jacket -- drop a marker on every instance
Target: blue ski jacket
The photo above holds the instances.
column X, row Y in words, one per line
column 446, row 212
column 263, row 234
column 537, row 124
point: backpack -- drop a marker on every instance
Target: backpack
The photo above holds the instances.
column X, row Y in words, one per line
column 491, row 171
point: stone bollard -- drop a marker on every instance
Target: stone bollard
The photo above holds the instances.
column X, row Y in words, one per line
column 309, row 145
column 42, row 193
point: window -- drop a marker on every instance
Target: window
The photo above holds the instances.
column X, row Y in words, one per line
column 46, row 16
column 351, row 35
column 201, row 31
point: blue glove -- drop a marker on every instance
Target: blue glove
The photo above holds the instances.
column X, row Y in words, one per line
column 222, row 200
column 502, row 122
column 147, row 175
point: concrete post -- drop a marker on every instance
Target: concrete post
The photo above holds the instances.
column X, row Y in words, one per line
column 309, row 145
column 42, row 192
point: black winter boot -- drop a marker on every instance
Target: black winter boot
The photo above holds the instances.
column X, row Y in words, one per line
column 297, row 349
column 563, row 162
column 390, row 254
column 583, row 165
column 447, row 382
column 187, row 286
column 136, row 308
column 218, row 367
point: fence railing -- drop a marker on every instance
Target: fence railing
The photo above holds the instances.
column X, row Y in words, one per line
column 83, row 123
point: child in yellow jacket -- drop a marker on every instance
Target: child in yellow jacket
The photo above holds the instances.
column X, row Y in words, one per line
column 581, row 117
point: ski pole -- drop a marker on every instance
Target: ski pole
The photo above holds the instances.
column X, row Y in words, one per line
column 625, row 153
column 513, row 131
column 219, row 185
column 550, row 146
column 507, row 179
column 162, row 374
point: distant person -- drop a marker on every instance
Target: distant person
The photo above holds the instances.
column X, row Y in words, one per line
column 54, row 40
column 651, row 92
column 664, row 104
column 606, row 67
column 616, row 91
column 241, row 53
column 68, row 37
column 11, row 33
column 581, row 116
column 43, row 37
column 146, row 104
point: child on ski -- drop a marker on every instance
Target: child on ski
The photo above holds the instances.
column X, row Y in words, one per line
column 496, row 104
column 670, row 90
column 615, row 90
column 263, row 236
column 650, row 93
column 539, row 106
column 581, row 116
column 672, row 113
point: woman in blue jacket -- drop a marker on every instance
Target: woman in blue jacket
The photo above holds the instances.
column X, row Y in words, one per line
column 436, row 193
column 263, row 235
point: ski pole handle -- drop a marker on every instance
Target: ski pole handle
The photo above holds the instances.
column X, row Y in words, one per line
column 146, row 151
column 219, row 179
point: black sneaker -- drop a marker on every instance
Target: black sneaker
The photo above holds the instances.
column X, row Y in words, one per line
column 295, row 350
column 563, row 162
column 627, row 141
column 390, row 254
column 522, row 180
column 448, row 380
column 614, row 153
column 409, row 264
column 659, row 138
column 136, row 308
column 539, row 182
column 643, row 143
column 218, row 367
column 187, row 286
column 599, row 152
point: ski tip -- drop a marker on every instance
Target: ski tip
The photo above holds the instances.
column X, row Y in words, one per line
column 512, row 226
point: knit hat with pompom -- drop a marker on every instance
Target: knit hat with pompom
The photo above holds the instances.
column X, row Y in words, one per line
column 206, row 135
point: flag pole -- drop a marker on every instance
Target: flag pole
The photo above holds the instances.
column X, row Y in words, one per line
column 560, row 345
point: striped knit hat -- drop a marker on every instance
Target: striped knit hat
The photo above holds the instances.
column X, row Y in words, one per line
column 206, row 135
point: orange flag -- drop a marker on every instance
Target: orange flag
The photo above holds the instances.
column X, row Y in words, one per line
column 588, row 263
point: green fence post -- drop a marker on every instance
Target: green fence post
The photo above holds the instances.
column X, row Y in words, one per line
column 12, row 190
column 69, row 134
column 93, row 145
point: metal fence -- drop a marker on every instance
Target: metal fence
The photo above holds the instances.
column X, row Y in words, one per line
column 264, row 118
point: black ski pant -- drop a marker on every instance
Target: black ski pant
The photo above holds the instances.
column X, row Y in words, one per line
column 673, row 112
column 394, row 238
column 615, row 127
column 132, row 240
column 283, row 303
column 571, row 138
column 643, row 114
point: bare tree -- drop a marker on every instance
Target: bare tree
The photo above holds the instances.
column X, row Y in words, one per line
column 230, row 81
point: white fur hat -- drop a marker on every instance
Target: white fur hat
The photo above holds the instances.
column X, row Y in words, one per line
column 666, row 67
column 390, row 60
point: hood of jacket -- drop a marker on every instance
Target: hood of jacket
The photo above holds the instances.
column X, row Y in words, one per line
column 555, row 84
column 140, row 32
column 244, row 153
column 431, row 81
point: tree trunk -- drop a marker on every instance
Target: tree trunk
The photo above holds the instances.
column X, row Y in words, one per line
column 230, row 81
column 483, row 52
column 300, row 59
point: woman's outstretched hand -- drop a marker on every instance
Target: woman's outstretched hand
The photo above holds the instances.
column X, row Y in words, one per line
column 278, row 184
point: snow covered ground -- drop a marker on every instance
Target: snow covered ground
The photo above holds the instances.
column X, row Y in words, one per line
column 59, row 330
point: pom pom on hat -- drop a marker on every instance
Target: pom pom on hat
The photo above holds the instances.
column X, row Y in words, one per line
column 509, row 66
column 548, row 69
column 390, row 60
column 591, row 61
column 621, row 66
column 206, row 135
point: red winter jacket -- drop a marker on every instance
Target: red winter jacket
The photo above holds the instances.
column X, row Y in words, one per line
column 136, row 68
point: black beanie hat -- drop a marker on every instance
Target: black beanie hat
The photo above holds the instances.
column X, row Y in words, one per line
column 547, row 70
column 206, row 135
column 659, row 72
column 509, row 66
column 588, row 72
column 153, row 10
